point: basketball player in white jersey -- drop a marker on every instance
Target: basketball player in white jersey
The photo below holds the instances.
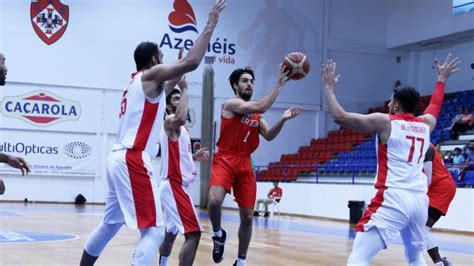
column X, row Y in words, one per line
column 132, row 197
column 16, row 162
column 177, row 172
column 402, row 140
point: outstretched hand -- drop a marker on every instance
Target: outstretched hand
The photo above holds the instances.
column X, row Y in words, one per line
column 215, row 11
column 447, row 68
column 292, row 112
column 19, row 163
column 330, row 78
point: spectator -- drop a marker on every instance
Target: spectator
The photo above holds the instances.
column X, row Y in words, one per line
column 469, row 155
column 464, row 124
column 448, row 157
column 456, row 118
column 458, row 157
column 273, row 195
column 456, row 169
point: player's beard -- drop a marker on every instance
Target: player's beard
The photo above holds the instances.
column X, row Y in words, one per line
column 245, row 96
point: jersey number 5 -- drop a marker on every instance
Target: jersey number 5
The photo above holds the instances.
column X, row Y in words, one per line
column 123, row 104
column 412, row 148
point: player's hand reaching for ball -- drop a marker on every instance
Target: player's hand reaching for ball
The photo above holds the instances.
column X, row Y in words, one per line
column 292, row 112
column 283, row 75
column 330, row 78
column 215, row 11
column 19, row 163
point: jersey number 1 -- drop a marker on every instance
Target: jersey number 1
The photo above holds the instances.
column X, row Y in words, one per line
column 412, row 148
column 247, row 136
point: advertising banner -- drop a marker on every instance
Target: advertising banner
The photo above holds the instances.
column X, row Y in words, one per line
column 53, row 154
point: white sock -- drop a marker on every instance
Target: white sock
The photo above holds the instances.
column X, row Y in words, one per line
column 218, row 233
column 241, row 262
column 164, row 261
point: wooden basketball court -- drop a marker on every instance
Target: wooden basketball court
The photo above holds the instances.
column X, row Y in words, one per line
column 276, row 240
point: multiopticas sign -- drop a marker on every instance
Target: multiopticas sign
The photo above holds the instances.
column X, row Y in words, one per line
column 40, row 108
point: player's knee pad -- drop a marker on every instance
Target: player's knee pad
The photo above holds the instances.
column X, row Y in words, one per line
column 430, row 241
column 100, row 237
column 419, row 261
column 366, row 246
column 148, row 245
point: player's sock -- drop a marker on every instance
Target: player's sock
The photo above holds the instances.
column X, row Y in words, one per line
column 164, row 260
column 240, row 262
column 218, row 252
column 87, row 259
column 217, row 233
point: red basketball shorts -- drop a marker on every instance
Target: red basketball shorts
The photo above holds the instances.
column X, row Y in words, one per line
column 233, row 171
column 441, row 194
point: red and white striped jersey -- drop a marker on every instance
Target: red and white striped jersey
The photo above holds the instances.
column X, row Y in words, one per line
column 177, row 158
column 400, row 160
column 141, row 118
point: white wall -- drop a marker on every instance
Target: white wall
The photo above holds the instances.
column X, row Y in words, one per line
column 410, row 22
column 330, row 201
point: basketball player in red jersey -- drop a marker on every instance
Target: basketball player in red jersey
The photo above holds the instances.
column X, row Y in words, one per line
column 241, row 124
column 402, row 141
column 441, row 191
column 132, row 197
column 177, row 172
column 16, row 162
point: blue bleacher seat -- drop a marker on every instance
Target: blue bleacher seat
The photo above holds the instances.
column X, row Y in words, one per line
column 469, row 178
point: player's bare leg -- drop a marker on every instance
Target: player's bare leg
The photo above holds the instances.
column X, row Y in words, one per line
column 214, row 208
column 189, row 248
column 245, row 232
column 166, row 247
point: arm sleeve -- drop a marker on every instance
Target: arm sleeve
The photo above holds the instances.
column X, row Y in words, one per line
column 436, row 100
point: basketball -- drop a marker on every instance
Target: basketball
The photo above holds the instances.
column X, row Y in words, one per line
column 298, row 65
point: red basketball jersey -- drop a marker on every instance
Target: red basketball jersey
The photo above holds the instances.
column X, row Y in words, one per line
column 439, row 171
column 240, row 133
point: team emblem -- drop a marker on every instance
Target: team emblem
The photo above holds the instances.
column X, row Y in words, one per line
column 50, row 19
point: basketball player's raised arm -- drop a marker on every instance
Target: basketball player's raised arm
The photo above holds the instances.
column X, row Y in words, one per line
column 434, row 107
column 163, row 72
column 367, row 123
column 174, row 122
column 239, row 106
column 171, row 84
column 269, row 133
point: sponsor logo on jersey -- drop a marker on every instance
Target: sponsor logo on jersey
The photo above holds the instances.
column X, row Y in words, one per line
column 40, row 108
column 50, row 19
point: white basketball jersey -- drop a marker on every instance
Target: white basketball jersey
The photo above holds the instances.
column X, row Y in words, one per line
column 176, row 158
column 400, row 160
column 141, row 118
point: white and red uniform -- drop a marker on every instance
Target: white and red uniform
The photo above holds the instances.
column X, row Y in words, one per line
column 132, row 189
column 177, row 172
column 401, row 203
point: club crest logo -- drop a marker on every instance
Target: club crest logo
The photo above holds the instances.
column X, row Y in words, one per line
column 182, row 18
column 50, row 19
column 40, row 108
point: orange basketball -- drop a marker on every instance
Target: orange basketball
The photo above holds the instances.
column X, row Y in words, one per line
column 298, row 65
